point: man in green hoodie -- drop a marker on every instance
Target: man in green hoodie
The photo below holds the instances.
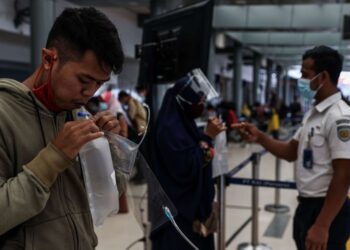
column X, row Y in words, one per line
column 43, row 203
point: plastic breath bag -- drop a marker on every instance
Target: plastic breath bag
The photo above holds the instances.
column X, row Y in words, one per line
column 100, row 182
column 220, row 163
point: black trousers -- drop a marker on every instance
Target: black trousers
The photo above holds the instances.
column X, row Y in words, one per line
column 305, row 216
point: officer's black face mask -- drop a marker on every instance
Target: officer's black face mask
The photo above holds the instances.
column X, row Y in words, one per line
column 195, row 110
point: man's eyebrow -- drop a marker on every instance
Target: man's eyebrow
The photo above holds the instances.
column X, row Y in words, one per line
column 96, row 80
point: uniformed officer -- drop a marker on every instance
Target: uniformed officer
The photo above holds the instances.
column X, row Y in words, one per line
column 321, row 149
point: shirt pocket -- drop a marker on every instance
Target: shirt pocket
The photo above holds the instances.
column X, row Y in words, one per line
column 319, row 149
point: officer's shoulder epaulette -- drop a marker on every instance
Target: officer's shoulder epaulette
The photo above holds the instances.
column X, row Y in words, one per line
column 344, row 109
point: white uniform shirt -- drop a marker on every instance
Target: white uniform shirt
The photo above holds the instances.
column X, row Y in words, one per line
column 326, row 130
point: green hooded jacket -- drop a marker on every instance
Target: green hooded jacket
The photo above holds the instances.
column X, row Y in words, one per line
column 43, row 203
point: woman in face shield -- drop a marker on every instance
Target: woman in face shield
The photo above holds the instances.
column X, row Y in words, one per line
column 183, row 166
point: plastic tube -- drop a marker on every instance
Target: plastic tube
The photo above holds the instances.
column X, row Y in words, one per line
column 171, row 218
column 146, row 129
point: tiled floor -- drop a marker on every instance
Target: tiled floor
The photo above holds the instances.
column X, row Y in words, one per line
column 121, row 230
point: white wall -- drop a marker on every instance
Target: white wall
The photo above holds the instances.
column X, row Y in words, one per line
column 14, row 48
column 7, row 15
column 15, row 42
column 60, row 5
column 124, row 20
column 126, row 23
column 247, row 73
column 221, row 61
column 130, row 34
column 128, row 77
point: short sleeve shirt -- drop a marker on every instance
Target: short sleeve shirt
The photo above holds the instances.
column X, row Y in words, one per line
column 326, row 131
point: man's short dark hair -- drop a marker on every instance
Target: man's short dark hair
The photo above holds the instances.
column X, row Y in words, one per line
column 122, row 94
column 326, row 59
column 77, row 30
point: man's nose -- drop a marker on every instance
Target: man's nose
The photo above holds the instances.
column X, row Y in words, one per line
column 90, row 91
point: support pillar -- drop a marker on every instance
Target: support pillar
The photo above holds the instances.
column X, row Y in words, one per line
column 42, row 17
column 256, row 76
column 286, row 89
column 269, row 71
column 237, row 77
column 279, row 76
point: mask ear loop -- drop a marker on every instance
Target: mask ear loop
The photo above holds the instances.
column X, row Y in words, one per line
column 320, row 86
column 185, row 85
column 179, row 99
column 48, row 80
column 51, row 57
column 315, row 77
column 41, row 70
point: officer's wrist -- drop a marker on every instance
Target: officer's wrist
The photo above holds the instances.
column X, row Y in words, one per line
column 322, row 221
column 322, row 224
column 260, row 136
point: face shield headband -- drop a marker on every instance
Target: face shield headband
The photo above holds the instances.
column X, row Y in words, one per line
column 196, row 89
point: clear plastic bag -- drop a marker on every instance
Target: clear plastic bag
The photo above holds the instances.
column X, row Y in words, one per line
column 124, row 152
column 220, row 162
column 100, row 180
column 100, row 159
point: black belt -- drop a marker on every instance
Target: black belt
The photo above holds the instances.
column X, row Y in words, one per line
column 310, row 199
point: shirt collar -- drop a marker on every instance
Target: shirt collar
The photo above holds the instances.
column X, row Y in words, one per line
column 329, row 101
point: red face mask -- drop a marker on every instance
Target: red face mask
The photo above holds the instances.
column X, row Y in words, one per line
column 44, row 92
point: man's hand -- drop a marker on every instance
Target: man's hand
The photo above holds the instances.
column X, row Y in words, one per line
column 123, row 126
column 214, row 127
column 74, row 135
column 141, row 130
column 317, row 238
column 248, row 131
column 106, row 121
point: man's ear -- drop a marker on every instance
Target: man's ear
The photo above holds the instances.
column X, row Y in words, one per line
column 48, row 56
column 325, row 77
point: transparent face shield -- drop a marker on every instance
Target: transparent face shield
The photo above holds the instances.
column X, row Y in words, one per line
column 149, row 200
column 199, row 85
column 126, row 156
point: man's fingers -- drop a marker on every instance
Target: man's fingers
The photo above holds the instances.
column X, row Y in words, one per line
column 75, row 135
column 236, row 126
column 83, row 126
column 107, row 121
column 239, row 125
column 77, row 128
column 91, row 136
column 223, row 126
column 111, row 125
column 211, row 118
column 101, row 114
column 101, row 122
column 245, row 134
column 75, row 145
